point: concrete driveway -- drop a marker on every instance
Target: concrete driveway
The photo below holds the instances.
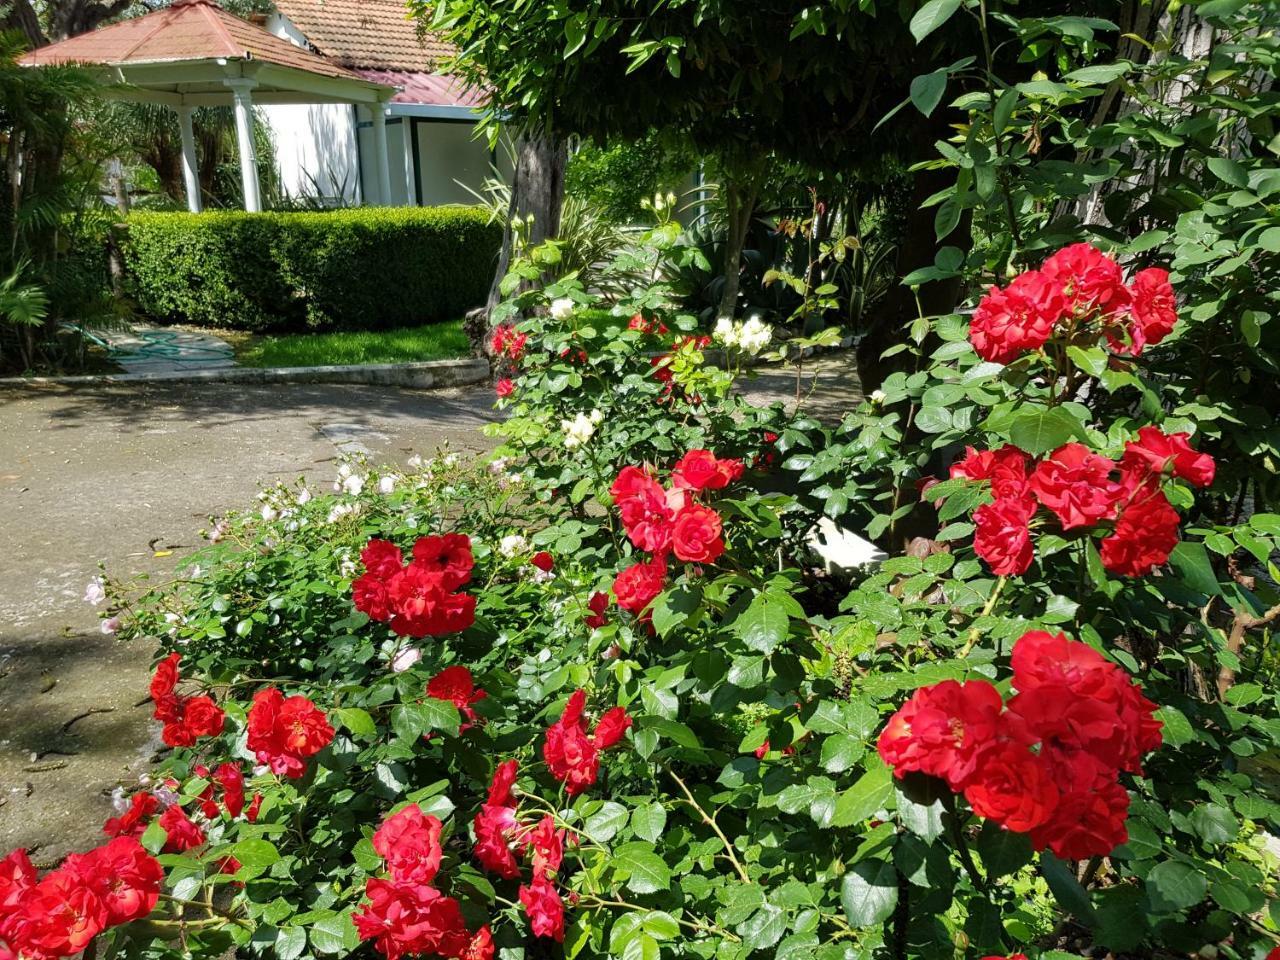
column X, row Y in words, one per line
column 116, row 475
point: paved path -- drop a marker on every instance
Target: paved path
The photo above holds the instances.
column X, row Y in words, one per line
column 117, row 473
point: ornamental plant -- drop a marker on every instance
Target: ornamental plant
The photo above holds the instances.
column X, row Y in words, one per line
column 599, row 699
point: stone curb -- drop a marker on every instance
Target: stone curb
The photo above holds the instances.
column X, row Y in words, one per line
column 421, row 375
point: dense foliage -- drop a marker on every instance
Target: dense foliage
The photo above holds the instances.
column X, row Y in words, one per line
column 357, row 268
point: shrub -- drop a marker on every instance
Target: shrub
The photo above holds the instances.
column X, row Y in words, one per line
column 357, row 268
column 595, row 700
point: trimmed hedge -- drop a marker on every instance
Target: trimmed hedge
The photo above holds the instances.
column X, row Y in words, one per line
column 360, row 268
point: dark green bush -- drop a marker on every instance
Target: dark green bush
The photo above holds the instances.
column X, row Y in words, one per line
column 358, row 269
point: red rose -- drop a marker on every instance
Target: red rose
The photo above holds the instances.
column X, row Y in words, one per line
column 703, row 470
column 122, row 875
column 421, row 604
column 504, row 387
column 410, row 843
column 598, row 605
column 1090, row 280
column 547, row 846
column 133, row 821
column 448, row 557
column 1086, row 823
column 943, row 730
column 456, row 685
column 543, row 561
column 1013, row 787
column 1152, row 310
column 1003, row 535
column 255, row 806
column 646, row 511
column 695, row 536
column 610, row 728
column 231, row 779
column 1006, row 469
column 16, row 875
column 637, row 586
column 410, row 918
column 1075, row 483
column 1007, row 323
column 56, row 917
column 480, row 946
column 572, row 756
column 180, row 832
column 382, row 559
column 495, row 825
column 164, row 682
column 283, row 733
column 545, row 909
column 1145, row 534
column 1159, row 453
column 369, row 595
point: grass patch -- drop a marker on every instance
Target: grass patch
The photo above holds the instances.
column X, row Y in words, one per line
column 433, row 341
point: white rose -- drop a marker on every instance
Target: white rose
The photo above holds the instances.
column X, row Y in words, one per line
column 561, row 309
column 512, row 545
column 755, row 335
column 269, row 512
column 353, row 484
column 877, row 397
column 727, row 332
column 577, row 431
column 386, row 484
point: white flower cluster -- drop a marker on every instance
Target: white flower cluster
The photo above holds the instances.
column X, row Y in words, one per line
column 513, row 545
column 561, row 309
column 751, row 336
column 580, row 429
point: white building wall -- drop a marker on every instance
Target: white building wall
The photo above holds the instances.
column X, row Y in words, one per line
column 449, row 153
column 315, row 144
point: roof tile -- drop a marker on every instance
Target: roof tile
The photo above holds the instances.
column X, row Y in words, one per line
column 371, row 34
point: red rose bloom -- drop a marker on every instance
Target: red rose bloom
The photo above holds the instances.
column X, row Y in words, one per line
column 598, row 605
column 283, row 733
column 410, row 918
column 382, row 559
column 1075, row 483
column 645, row 508
column 543, row 561
column 480, row 946
column 695, row 536
column 1007, row 323
column 545, row 909
column 180, row 832
column 1013, row 787
column 1005, row 468
column 1159, row 453
column 255, row 807
column 164, row 683
column 122, row 875
column 1090, row 280
column 1003, row 535
column 56, row 917
column 504, row 387
column 231, row 779
column 637, row 586
column 448, row 557
column 410, row 843
column 1145, row 534
column 1086, row 823
column 495, row 825
column 546, row 844
column 1152, row 310
column 943, row 730
column 421, row 605
column 703, row 470
column 133, row 821
column 572, row 756
column 456, row 685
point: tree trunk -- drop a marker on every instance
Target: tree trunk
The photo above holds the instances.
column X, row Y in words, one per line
column 740, row 195
column 537, row 190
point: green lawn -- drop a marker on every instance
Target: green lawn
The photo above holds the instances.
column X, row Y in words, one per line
column 436, row 341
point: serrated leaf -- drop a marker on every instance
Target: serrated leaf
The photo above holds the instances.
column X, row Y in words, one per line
column 869, row 892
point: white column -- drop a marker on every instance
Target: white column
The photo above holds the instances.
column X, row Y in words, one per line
column 244, row 139
column 382, row 167
column 190, row 172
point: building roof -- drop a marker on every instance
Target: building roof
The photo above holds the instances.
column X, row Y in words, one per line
column 433, row 89
column 189, row 30
column 369, row 34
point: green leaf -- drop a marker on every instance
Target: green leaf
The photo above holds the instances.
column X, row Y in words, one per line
column 1191, row 560
column 1066, row 888
column 1177, row 728
column 764, row 928
column 334, row 934
column 841, row 752
column 1228, row 171
column 1215, row 823
column 865, row 798
column 927, row 90
column 357, row 721
column 1040, row 431
column 649, row 821
column 1004, row 109
column 256, row 857
column 763, row 625
column 1098, row 73
column 290, row 942
column 1174, row 885
column 931, row 16
column 1003, row 851
column 660, row 925
column 644, row 870
column 607, row 821
column 869, row 892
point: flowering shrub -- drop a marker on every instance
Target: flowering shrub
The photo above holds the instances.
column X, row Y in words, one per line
column 595, row 698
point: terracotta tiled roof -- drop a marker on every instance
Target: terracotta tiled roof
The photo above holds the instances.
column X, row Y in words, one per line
column 374, row 34
column 188, row 30
column 435, row 89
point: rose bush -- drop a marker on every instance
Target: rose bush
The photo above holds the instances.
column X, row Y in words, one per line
column 594, row 697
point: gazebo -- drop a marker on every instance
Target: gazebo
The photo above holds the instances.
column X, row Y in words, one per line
column 195, row 54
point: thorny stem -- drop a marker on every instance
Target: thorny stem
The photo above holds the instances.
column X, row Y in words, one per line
column 591, row 900
column 986, row 611
column 711, row 822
